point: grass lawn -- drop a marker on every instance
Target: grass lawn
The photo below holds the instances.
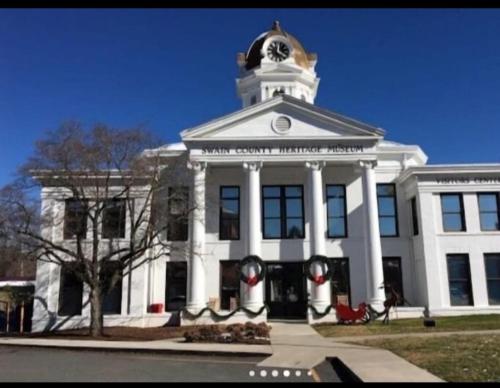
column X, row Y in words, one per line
column 414, row 325
column 453, row 358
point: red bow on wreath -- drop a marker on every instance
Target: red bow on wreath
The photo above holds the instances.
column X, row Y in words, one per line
column 252, row 281
column 319, row 279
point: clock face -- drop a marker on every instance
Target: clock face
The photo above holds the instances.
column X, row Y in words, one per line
column 278, row 51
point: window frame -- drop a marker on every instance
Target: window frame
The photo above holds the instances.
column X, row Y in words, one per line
column 185, row 222
column 80, row 284
column 283, row 216
column 396, row 215
column 487, row 256
column 328, row 217
column 348, row 266
column 449, row 256
column 400, row 266
column 221, row 219
column 497, row 198
column 117, row 286
column 221, row 263
column 167, row 283
column 414, row 216
column 124, row 222
column 74, row 236
column 462, row 212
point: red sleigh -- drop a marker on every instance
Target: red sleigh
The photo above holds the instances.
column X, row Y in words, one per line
column 347, row 315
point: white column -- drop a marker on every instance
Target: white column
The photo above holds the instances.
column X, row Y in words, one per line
column 320, row 293
column 253, row 296
column 196, row 268
column 376, row 293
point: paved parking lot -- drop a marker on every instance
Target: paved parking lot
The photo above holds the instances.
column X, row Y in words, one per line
column 46, row 364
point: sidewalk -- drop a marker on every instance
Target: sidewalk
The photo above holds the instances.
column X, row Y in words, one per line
column 300, row 346
column 171, row 345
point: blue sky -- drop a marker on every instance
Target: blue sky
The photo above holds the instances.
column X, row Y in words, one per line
column 427, row 76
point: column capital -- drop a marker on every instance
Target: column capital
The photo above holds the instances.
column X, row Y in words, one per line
column 315, row 164
column 196, row 166
column 252, row 166
column 370, row 164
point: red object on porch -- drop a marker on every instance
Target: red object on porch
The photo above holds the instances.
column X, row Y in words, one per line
column 156, row 308
column 348, row 315
column 252, row 280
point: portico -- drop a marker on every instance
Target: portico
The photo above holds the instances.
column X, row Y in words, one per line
column 355, row 153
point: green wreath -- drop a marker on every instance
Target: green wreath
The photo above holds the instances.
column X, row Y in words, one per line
column 253, row 280
column 318, row 279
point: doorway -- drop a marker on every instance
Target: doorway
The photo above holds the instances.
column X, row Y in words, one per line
column 286, row 291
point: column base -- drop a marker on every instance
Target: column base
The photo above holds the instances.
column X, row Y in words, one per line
column 320, row 305
column 377, row 304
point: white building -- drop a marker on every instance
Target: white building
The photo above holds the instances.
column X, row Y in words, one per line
column 285, row 180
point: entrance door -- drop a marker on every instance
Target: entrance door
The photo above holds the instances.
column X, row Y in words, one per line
column 286, row 291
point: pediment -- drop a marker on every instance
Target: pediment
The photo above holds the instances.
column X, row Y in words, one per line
column 282, row 118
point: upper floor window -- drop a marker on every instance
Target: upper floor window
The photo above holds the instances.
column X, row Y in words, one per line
column 113, row 218
column 488, row 211
column 336, row 209
column 177, row 228
column 387, row 212
column 229, row 227
column 414, row 215
column 452, row 207
column 75, row 219
column 253, row 100
column 283, row 212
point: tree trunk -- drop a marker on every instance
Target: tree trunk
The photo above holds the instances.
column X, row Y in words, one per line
column 96, row 318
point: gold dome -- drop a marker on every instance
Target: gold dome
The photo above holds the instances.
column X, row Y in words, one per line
column 254, row 56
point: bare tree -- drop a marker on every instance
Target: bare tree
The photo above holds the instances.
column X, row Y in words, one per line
column 103, row 201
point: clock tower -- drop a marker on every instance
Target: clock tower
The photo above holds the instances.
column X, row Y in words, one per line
column 276, row 63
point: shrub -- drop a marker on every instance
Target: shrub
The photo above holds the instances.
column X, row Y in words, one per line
column 235, row 333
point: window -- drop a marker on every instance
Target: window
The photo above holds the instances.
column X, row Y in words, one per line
column 341, row 284
column 492, row 265
column 488, row 211
column 113, row 219
column 229, row 214
column 112, row 294
column 283, row 212
column 414, row 215
column 459, row 280
column 175, row 291
column 229, row 284
column 452, row 207
column 387, row 213
column 70, row 291
column 177, row 227
column 253, row 100
column 393, row 277
column 336, row 209
column 75, row 219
